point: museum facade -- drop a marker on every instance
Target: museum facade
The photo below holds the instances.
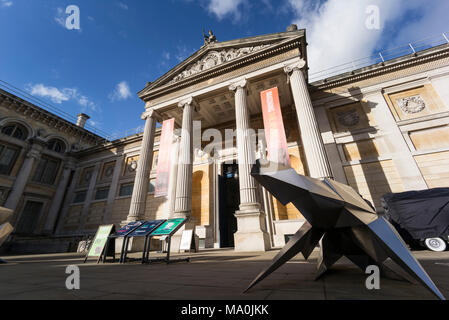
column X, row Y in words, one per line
column 379, row 129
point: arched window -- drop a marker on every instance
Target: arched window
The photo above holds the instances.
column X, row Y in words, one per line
column 15, row 130
column 56, row 145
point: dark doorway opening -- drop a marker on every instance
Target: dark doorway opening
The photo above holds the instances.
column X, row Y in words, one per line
column 229, row 191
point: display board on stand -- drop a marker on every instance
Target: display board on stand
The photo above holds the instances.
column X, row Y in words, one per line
column 121, row 233
column 188, row 241
column 143, row 230
column 99, row 243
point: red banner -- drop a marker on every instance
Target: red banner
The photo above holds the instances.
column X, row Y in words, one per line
column 164, row 159
column 274, row 127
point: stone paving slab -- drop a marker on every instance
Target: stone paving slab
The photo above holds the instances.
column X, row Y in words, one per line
column 211, row 275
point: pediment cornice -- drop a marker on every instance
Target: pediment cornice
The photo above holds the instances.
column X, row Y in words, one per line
column 218, row 57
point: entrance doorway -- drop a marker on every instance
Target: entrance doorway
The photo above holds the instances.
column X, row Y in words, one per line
column 229, row 200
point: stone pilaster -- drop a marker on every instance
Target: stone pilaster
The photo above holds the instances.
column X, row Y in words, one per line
column 140, row 191
column 251, row 232
column 24, row 174
column 89, row 197
column 114, row 187
column 310, row 134
column 59, row 197
column 68, row 200
column 183, row 203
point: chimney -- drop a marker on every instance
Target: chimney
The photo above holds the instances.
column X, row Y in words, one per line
column 82, row 119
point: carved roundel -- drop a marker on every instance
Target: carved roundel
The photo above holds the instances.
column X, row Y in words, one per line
column 412, row 105
column 348, row 118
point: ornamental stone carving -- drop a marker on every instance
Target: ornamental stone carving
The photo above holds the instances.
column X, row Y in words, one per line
column 215, row 58
column 348, row 118
column 412, row 105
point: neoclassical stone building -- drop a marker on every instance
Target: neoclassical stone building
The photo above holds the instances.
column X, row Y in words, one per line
column 380, row 129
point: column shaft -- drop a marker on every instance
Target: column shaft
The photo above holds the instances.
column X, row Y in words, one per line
column 183, row 204
column 245, row 152
column 57, row 200
column 310, row 133
column 140, row 191
column 22, row 178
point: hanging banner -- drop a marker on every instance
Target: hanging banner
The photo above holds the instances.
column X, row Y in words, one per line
column 274, row 127
column 164, row 159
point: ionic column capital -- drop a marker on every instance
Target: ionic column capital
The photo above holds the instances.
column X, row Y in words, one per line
column 299, row 65
column 189, row 101
column 238, row 84
column 151, row 113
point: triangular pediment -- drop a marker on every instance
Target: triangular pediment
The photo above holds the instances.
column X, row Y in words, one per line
column 216, row 55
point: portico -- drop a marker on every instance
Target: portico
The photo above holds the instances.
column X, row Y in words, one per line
column 219, row 87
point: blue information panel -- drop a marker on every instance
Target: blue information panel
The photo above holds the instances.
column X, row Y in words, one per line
column 146, row 228
column 128, row 228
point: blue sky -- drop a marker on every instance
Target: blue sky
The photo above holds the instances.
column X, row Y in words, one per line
column 124, row 44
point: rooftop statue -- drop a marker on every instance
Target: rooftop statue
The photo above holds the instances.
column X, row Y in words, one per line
column 211, row 38
column 346, row 224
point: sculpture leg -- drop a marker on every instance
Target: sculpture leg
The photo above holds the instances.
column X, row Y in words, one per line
column 304, row 241
column 330, row 253
column 381, row 236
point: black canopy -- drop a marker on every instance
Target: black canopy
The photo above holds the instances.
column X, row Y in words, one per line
column 423, row 214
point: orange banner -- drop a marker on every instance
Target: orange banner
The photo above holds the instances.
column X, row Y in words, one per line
column 274, row 127
column 164, row 159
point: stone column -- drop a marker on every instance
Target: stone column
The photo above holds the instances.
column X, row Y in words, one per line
column 173, row 177
column 68, row 200
column 24, row 174
column 89, row 196
column 251, row 232
column 140, row 191
column 183, row 204
column 58, row 197
column 310, row 134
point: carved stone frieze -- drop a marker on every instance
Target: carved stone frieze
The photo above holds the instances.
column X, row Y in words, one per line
column 215, row 58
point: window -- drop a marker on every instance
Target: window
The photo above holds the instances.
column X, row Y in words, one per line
column 102, row 193
column 46, row 171
column 8, row 158
column 80, row 197
column 56, row 146
column 126, row 189
column 151, row 186
column 16, row 131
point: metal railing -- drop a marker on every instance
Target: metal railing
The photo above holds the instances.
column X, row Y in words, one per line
column 49, row 107
column 381, row 56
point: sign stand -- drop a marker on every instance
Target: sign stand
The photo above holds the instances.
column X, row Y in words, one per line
column 144, row 230
column 188, row 241
column 122, row 233
column 165, row 231
column 98, row 244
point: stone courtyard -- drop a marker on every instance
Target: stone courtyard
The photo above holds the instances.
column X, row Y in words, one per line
column 211, row 275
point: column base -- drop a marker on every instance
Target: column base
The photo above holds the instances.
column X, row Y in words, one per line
column 251, row 235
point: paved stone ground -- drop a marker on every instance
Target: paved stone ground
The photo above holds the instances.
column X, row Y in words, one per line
column 211, row 275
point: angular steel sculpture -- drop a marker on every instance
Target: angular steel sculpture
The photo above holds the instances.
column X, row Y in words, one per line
column 344, row 222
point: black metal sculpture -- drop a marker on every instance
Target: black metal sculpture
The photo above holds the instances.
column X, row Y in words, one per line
column 346, row 224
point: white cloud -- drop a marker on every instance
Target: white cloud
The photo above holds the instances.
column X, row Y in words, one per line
column 61, row 95
column 6, row 3
column 121, row 92
column 223, row 8
column 122, row 5
column 337, row 32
